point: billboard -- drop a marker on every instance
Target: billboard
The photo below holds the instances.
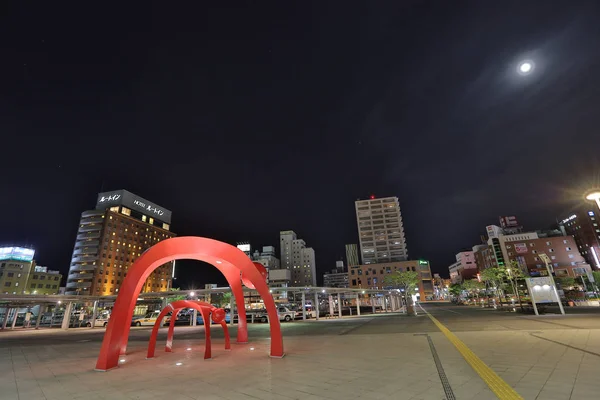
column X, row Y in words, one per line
column 244, row 247
column 521, row 248
column 509, row 222
column 134, row 202
column 16, row 253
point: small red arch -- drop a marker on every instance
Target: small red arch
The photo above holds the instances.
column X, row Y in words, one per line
column 205, row 309
column 231, row 261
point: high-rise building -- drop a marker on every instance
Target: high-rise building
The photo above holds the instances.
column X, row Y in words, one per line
column 297, row 258
column 583, row 226
column 352, row 255
column 380, row 230
column 111, row 237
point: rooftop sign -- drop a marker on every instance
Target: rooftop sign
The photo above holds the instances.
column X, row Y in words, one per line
column 16, row 253
column 134, row 202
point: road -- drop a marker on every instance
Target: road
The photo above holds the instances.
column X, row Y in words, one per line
column 446, row 351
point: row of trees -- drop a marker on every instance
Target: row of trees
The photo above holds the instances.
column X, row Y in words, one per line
column 506, row 280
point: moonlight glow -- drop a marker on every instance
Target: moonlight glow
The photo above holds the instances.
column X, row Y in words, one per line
column 525, row 67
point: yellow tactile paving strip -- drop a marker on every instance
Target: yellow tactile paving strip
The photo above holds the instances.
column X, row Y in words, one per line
column 496, row 384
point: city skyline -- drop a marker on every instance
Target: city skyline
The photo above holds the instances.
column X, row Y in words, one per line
column 265, row 118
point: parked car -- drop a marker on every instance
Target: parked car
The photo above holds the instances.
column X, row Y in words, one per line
column 285, row 314
column 147, row 320
column 101, row 320
column 259, row 316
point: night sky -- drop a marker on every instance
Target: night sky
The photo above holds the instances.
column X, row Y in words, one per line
column 254, row 117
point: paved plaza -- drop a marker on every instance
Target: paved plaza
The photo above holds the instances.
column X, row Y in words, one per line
column 383, row 356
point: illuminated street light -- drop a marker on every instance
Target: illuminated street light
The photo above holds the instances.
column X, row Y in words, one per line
column 594, row 195
column 192, row 294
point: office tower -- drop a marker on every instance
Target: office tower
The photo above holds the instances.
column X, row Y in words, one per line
column 583, row 226
column 111, row 237
column 297, row 258
column 352, row 255
column 380, row 230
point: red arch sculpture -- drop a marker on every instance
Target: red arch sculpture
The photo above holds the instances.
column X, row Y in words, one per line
column 218, row 316
column 231, row 261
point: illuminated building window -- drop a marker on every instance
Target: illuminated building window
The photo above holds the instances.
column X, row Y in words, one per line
column 151, row 221
column 166, row 227
column 114, row 209
column 126, row 211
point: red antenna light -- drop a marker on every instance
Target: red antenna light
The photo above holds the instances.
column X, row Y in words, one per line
column 372, row 196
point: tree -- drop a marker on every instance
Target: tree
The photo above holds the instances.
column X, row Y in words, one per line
column 406, row 281
column 513, row 274
column 456, row 289
column 565, row 282
column 494, row 277
column 473, row 286
column 176, row 298
column 225, row 299
column 596, row 275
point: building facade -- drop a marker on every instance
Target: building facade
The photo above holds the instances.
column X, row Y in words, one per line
column 15, row 266
column 280, row 278
column 371, row 276
column 20, row 275
column 464, row 268
column 352, row 255
column 267, row 258
column 583, row 226
column 562, row 251
column 43, row 281
column 380, row 230
column 298, row 259
column 111, row 237
column 338, row 277
column 484, row 257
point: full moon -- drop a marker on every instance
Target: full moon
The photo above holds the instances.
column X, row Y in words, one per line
column 525, row 67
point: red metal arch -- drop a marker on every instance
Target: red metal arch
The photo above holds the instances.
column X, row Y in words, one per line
column 204, row 308
column 231, row 261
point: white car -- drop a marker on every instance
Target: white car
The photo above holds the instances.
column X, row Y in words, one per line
column 101, row 320
column 148, row 320
column 285, row 314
